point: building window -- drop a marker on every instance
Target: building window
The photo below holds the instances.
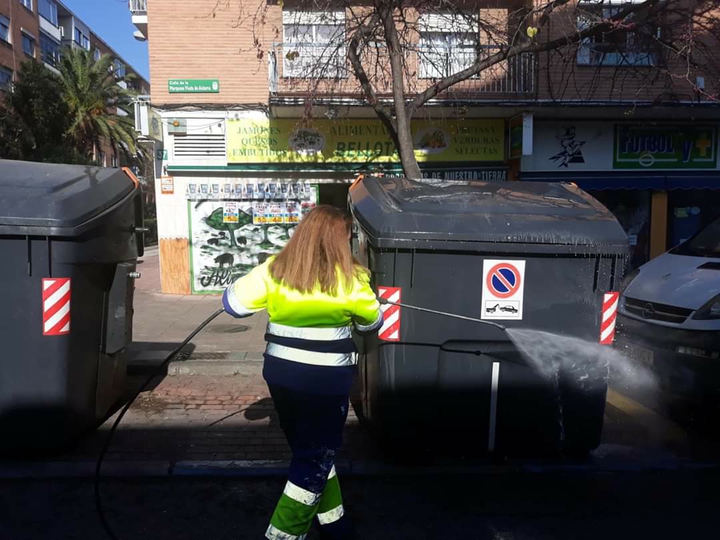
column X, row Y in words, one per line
column 28, row 44
column 118, row 69
column 81, row 39
column 27, row 4
column 447, row 45
column 49, row 49
column 5, row 78
column 314, row 44
column 96, row 54
column 48, row 10
column 4, row 29
column 615, row 48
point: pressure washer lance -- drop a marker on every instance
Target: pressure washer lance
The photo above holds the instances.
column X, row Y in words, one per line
column 385, row 301
column 143, row 387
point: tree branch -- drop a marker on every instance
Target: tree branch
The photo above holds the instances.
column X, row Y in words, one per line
column 364, row 32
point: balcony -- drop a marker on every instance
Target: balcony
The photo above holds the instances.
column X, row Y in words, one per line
column 294, row 74
column 138, row 10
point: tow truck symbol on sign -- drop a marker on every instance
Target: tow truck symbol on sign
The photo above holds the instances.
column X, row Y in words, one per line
column 506, row 307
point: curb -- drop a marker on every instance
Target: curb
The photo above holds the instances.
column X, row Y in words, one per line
column 217, row 364
column 216, row 368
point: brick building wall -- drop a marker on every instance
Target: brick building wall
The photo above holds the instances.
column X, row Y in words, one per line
column 562, row 77
column 188, row 40
column 21, row 18
column 233, row 41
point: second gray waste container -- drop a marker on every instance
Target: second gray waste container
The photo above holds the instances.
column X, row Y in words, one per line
column 69, row 239
column 527, row 255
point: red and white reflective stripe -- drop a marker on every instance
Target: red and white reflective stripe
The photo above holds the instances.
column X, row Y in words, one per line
column 390, row 329
column 56, row 306
column 609, row 314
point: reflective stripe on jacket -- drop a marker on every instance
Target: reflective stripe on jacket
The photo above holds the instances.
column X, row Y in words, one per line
column 311, row 328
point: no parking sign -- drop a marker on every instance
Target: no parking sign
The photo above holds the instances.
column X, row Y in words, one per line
column 503, row 285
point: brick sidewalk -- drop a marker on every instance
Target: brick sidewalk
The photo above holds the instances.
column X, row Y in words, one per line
column 200, row 418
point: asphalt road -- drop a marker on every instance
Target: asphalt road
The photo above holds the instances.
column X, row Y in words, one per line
column 518, row 506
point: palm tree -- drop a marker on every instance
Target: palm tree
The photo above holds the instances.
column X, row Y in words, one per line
column 99, row 107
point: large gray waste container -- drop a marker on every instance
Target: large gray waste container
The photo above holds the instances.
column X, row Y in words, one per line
column 524, row 254
column 69, row 239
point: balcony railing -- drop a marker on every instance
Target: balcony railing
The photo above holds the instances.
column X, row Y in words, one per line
column 138, row 7
column 294, row 70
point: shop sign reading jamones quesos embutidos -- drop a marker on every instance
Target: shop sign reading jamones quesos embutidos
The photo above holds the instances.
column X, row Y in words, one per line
column 253, row 140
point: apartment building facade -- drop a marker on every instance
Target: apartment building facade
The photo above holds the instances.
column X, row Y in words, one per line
column 38, row 30
column 249, row 137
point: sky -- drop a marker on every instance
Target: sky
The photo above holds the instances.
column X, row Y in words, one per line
column 110, row 19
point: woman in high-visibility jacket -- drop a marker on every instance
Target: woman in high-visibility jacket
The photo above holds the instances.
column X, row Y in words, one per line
column 314, row 293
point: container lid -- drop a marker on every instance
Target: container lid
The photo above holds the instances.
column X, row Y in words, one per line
column 397, row 212
column 51, row 199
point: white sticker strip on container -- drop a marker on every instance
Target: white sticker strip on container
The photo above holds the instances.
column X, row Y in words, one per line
column 56, row 306
column 503, row 286
column 390, row 329
column 609, row 314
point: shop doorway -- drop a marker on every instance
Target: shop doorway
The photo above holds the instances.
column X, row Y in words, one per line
column 334, row 195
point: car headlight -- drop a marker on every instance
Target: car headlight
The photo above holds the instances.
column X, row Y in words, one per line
column 711, row 310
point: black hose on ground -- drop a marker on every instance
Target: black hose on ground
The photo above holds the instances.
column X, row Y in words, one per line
column 98, row 466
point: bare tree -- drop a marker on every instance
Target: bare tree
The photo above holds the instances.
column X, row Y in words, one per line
column 396, row 56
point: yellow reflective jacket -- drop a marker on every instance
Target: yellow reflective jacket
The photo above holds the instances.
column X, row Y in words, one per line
column 312, row 328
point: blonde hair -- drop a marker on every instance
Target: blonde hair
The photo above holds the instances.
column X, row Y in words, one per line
column 318, row 254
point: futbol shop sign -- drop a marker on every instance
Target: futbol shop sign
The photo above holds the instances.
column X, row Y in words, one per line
column 665, row 147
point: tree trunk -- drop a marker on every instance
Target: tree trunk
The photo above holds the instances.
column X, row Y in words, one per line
column 404, row 134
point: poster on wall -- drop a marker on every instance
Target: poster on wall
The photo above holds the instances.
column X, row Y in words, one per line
column 230, row 237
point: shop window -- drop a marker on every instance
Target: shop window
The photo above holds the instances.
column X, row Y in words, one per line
column 314, row 44
column 48, row 11
column 615, row 48
column 4, row 29
column 49, row 49
column 5, row 78
column 28, row 44
column 689, row 211
column 632, row 210
column 448, row 44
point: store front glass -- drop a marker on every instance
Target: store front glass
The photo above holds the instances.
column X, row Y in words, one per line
column 689, row 210
column 632, row 209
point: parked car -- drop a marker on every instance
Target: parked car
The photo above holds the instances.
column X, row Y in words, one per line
column 669, row 317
